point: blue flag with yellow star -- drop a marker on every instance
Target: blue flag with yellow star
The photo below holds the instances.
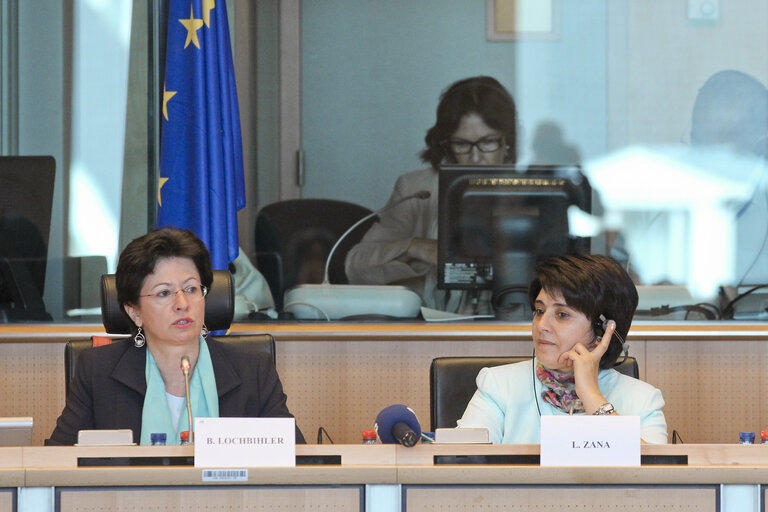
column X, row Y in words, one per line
column 201, row 185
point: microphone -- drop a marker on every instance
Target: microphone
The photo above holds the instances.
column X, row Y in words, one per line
column 185, row 367
column 327, row 301
column 421, row 194
column 398, row 424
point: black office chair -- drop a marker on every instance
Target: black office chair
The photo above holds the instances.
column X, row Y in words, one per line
column 294, row 237
column 219, row 310
column 452, row 382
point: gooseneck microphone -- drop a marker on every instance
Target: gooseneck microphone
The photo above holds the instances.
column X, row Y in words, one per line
column 398, row 424
column 331, row 301
column 421, row 194
column 185, row 367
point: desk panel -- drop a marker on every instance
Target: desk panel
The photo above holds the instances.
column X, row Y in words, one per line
column 729, row 476
column 214, row 498
column 539, row 498
column 189, row 476
column 6, row 500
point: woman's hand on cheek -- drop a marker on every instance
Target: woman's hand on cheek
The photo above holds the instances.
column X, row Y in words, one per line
column 586, row 366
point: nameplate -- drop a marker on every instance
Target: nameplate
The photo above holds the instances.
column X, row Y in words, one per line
column 590, row 440
column 245, row 442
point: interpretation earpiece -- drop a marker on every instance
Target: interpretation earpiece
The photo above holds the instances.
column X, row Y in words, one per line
column 601, row 324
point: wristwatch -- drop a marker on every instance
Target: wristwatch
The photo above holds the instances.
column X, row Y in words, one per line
column 605, row 409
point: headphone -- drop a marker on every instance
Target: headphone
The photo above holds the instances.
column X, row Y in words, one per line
column 600, row 325
column 533, row 382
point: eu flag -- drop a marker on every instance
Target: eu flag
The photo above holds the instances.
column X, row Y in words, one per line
column 201, row 185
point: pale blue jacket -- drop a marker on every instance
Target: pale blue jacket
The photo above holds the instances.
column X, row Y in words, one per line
column 506, row 397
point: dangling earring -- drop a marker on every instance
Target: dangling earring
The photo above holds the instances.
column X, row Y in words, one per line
column 204, row 331
column 139, row 340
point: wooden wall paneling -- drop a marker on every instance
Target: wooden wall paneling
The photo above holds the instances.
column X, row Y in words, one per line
column 340, row 377
column 32, row 384
column 343, row 385
column 713, row 389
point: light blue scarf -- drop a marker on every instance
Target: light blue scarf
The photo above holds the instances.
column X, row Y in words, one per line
column 156, row 415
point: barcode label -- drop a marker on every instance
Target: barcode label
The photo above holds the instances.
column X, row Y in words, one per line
column 225, row 475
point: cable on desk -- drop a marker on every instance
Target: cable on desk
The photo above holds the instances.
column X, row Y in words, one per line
column 320, row 432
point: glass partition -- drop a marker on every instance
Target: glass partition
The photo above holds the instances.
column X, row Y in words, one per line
column 662, row 104
column 65, row 71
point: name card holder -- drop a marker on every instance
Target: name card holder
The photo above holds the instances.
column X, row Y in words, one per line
column 590, row 440
column 245, row 442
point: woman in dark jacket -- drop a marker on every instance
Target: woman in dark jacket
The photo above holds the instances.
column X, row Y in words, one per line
column 162, row 279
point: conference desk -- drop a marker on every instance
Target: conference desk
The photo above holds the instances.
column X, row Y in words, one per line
column 382, row 478
column 339, row 375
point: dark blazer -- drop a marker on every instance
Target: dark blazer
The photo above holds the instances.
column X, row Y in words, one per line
column 108, row 389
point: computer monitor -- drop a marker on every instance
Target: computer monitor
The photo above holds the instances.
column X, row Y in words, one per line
column 495, row 223
column 26, row 200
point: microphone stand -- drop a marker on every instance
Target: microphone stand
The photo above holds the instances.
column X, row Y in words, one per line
column 421, row 194
column 342, row 300
column 185, row 366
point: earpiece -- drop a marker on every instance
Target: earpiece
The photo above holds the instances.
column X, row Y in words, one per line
column 601, row 324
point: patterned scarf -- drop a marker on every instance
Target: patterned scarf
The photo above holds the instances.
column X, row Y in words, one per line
column 559, row 390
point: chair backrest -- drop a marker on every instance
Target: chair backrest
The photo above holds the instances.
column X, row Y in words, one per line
column 219, row 304
column 452, row 382
column 294, row 237
column 73, row 349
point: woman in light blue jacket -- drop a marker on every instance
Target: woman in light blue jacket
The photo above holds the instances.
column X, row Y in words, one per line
column 582, row 309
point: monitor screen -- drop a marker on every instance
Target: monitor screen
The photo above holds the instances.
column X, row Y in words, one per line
column 26, row 200
column 495, row 223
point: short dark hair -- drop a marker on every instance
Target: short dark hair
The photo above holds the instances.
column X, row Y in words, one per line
column 594, row 285
column 140, row 256
column 482, row 95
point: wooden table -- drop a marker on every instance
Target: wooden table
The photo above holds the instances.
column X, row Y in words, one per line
column 378, row 478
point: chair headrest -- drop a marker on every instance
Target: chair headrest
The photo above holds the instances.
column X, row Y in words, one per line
column 219, row 304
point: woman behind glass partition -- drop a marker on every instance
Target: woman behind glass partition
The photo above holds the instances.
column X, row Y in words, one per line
column 476, row 124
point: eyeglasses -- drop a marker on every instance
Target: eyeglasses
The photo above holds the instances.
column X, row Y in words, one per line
column 486, row 145
column 192, row 293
